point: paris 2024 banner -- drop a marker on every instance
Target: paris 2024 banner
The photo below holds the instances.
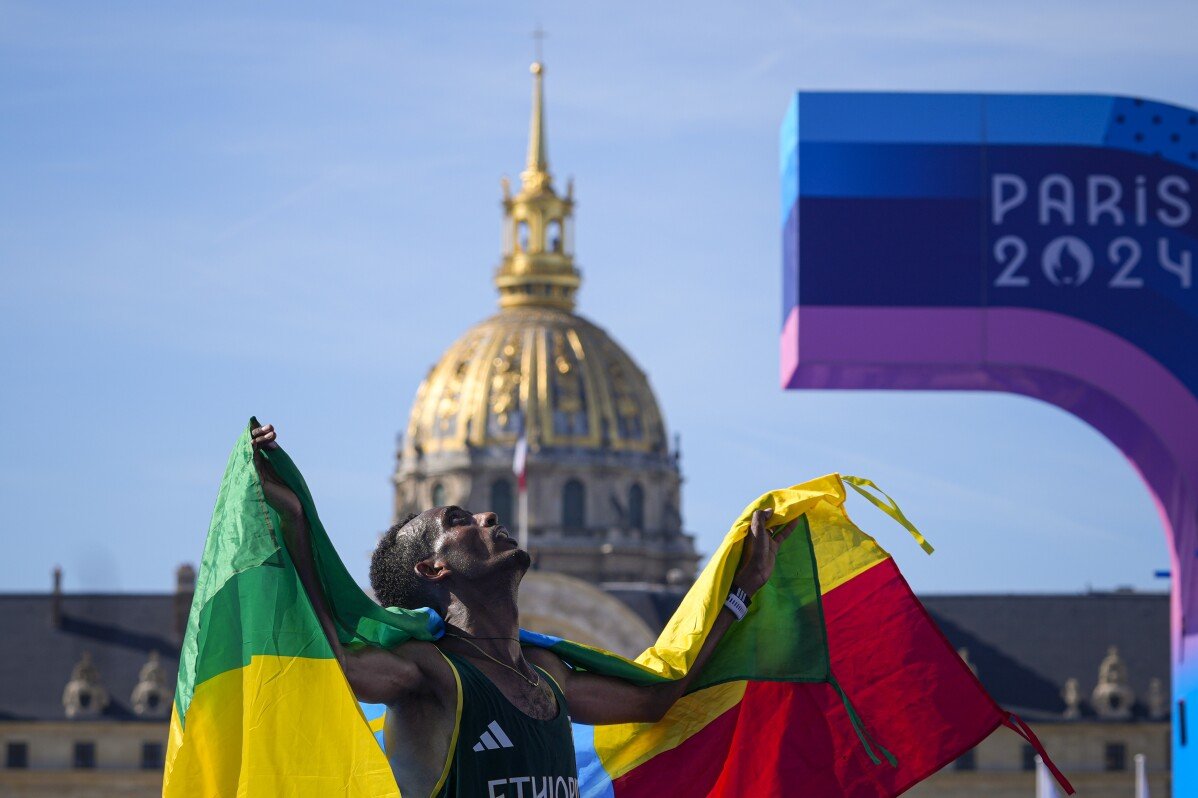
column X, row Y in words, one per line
column 1041, row 245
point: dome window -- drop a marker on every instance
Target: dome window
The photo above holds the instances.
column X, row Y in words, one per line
column 501, row 502
column 636, row 506
column 522, row 236
column 438, row 495
column 574, row 507
column 555, row 235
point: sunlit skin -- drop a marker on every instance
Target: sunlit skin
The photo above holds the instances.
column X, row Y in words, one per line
column 478, row 565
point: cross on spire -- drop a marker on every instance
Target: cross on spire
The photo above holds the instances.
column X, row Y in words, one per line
column 538, row 37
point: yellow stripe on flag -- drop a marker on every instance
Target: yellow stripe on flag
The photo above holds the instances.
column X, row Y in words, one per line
column 842, row 551
column 624, row 746
column 278, row 726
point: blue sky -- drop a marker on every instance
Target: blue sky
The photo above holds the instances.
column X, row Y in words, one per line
column 290, row 210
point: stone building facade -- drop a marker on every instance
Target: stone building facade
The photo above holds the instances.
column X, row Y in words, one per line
column 86, row 686
column 1089, row 673
column 1047, row 658
column 1096, row 756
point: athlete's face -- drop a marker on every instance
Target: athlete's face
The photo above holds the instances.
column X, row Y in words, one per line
column 473, row 544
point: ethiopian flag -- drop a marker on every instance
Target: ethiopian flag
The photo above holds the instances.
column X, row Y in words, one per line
column 837, row 683
column 915, row 705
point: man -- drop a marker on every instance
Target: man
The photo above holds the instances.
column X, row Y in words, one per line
column 476, row 713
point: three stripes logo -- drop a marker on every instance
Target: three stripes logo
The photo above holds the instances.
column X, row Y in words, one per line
column 493, row 738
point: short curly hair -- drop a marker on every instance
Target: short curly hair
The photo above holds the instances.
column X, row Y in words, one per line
column 393, row 576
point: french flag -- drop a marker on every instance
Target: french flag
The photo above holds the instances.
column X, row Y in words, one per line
column 518, row 462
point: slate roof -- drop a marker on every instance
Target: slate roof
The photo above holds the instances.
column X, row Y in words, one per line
column 120, row 631
column 1024, row 646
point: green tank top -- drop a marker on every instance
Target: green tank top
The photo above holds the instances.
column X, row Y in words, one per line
column 502, row 753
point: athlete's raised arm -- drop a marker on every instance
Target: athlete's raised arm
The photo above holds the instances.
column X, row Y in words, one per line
column 598, row 700
column 375, row 675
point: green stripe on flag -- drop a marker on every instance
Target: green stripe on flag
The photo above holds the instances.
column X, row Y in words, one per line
column 249, row 599
column 783, row 638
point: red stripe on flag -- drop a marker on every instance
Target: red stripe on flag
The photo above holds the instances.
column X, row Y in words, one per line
column 911, row 689
column 690, row 769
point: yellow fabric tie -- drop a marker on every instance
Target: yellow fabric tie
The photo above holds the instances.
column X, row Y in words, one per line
column 890, row 507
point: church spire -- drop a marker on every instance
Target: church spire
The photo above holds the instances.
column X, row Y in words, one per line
column 536, row 171
column 538, row 260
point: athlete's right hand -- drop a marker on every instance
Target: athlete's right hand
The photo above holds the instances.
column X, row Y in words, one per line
column 760, row 551
column 278, row 494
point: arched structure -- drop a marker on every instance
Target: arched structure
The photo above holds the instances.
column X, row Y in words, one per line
column 1038, row 245
column 560, row 605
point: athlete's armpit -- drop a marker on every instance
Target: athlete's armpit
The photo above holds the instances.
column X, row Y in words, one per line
column 380, row 676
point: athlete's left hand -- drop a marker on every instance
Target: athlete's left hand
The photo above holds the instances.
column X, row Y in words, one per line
column 760, row 551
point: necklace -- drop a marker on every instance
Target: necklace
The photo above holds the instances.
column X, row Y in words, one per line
column 499, row 662
column 480, row 637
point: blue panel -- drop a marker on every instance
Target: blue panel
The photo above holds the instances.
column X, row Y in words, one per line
column 889, row 170
column 877, row 251
column 790, row 267
column 1046, row 119
column 865, row 116
column 789, row 172
column 788, row 157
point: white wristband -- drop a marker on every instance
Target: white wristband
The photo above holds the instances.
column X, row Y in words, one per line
column 736, row 606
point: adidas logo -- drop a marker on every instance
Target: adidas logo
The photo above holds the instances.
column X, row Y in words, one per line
column 493, row 738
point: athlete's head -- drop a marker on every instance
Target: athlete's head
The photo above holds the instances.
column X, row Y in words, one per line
column 419, row 560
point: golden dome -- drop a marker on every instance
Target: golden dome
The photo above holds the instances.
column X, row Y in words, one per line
column 536, row 365
column 548, row 371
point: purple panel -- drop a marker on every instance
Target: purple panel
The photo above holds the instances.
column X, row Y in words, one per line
column 1089, row 372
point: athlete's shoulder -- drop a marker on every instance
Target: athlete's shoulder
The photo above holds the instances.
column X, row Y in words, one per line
column 547, row 661
column 436, row 675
